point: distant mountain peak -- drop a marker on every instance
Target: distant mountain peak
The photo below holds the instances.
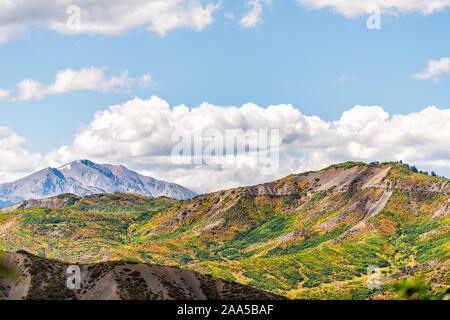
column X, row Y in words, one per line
column 84, row 162
column 84, row 177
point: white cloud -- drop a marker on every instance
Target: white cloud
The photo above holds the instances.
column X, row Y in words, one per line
column 10, row 31
column 352, row 8
column 30, row 90
column 117, row 17
column 5, row 95
column 112, row 17
column 87, row 78
column 435, row 69
column 145, row 81
column 68, row 80
column 138, row 134
column 252, row 18
column 15, row 160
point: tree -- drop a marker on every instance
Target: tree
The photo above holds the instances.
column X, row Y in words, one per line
column 433, row 174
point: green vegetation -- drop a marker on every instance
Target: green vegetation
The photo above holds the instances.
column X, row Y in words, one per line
column 347, row 165
column 418, row 289
column 122, row 203
column 289, row 238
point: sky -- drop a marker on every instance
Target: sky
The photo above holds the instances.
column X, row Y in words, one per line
column 112, row 80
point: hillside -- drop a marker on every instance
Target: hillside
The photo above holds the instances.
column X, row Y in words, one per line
column 310, row 235
column 83, row 177
column 111, row 203
column 46, row 280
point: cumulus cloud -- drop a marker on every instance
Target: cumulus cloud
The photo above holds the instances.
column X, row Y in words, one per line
column 435, row 69
column 68, row 80
column 117, row 17
column 30, row 90
column 352, row 8
column 139, row 133
column 253, row 17
column 112, row 17
column 15, row 160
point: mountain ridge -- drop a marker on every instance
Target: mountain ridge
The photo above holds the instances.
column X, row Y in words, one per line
column 308, row 235
column 84, row 177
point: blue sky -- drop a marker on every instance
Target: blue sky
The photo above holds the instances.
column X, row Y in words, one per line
column 319, row 60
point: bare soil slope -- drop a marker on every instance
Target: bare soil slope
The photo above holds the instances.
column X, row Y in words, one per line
column 46, row 279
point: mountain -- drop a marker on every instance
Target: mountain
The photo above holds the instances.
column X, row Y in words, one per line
column 84, row 177
column 312, row 235
column 43, row 279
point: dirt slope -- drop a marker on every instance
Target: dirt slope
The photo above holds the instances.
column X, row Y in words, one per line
column 46, row 279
